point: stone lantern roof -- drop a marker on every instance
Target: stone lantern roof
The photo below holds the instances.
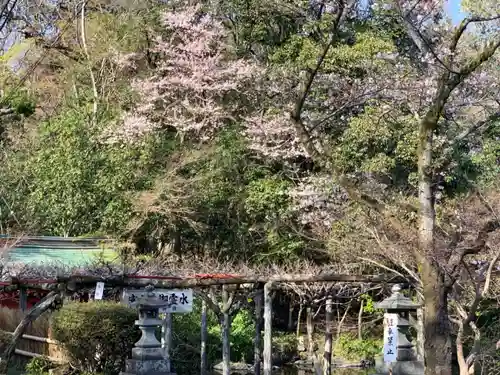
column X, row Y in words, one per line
column 397, row 301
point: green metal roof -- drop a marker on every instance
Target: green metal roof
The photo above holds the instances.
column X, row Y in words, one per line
column 58, row 250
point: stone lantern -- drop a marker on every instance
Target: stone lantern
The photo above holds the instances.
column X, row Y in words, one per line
column 148, row 357
column 406, row 362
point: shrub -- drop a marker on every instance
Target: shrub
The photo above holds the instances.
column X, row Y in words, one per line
column 351, row 348
column 285, row 347
column 5, row 339
column 98, row 336
column 489, row 356
column 39, row 366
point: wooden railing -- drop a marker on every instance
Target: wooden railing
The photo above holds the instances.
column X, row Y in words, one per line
column 46, row 340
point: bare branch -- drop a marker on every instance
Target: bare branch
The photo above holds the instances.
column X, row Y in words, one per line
column 474, row 63
column 457, row 257
column 227, row 299
column 87, row 55
column 210, row 303
column 306, row 84
column 463, row 26
column 487, row 282
column 445, row 159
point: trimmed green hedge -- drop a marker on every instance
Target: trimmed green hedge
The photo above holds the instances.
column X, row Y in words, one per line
column 97, row 335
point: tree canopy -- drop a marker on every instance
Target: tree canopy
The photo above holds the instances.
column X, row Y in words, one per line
column 269, row 132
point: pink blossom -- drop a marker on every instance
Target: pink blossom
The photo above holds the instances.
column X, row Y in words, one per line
column 197, row 86
column 273, row 136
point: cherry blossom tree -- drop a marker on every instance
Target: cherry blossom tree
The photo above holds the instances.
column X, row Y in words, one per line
column 197, row 87
column 436, row 81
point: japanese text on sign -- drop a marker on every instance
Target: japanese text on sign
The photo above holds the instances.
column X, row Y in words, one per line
column 176, row 300
column 390, row 337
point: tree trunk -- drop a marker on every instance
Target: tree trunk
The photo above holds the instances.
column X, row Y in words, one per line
column 204, row 335
column 437, row 345
column 258, row 332
column 310, row 333
column 268, row 325
column 327, row 365
column 437, row 333
column 30, row 317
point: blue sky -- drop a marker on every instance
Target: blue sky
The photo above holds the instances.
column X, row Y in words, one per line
column 453, row 9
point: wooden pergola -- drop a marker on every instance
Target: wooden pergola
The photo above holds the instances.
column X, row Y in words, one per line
column 61, row 285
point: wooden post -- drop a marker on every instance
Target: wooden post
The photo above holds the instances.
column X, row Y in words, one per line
column 226, row 332
column 310, row 333
column 204, row 335
column 268, row 334
column 166, row 339
column 420, row 334
column 327, row 365
column 290, row 314
column 299, row 317
column 258, row 331
column 23, row 299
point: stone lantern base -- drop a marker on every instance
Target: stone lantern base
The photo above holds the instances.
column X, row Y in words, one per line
column 147, row 367
column 399, row 368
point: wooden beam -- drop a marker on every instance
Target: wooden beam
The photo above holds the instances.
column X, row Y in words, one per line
column 38, row 339
column 25, row 353
column 74, row 283
column 200, row 282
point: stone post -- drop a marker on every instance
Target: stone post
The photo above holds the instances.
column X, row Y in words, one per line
column 406, row 362
column 148, row 357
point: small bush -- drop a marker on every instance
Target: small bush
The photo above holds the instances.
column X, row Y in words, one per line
column 39, row 366
column 352, row 349
column 98, row 336
column 285, row 347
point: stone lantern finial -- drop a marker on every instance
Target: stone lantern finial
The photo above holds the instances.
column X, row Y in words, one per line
column 396, row 288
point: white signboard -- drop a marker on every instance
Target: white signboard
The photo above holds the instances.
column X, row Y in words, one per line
column 390, row 337
column 177, row 300
column 99, row 290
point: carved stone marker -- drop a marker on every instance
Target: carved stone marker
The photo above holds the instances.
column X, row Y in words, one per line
column 399, row 354
column 148, row 357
